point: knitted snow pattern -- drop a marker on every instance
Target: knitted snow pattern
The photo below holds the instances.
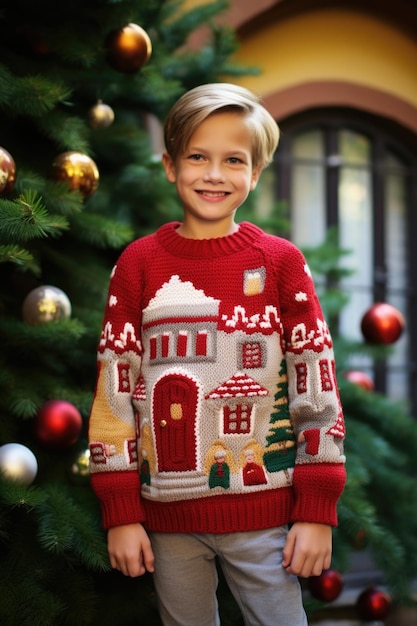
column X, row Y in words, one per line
column 216, row 407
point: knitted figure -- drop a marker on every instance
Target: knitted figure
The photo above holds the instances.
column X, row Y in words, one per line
column 219, row 471
column 216, row 408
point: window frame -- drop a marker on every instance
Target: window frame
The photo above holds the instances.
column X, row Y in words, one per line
column 384, row 135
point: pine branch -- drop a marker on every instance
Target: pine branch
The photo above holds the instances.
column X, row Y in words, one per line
column 19, row 256
column 388, row 419
column 67, row 131
column 27, row 218
column 14, row 494
column 174, row 32
column 6, row 86
column 58, row 336
column 58, row 198
column 66, row 529
column 101, row 232
column 33, row 96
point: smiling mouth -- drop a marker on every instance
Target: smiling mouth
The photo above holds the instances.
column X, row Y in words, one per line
column 213, row 194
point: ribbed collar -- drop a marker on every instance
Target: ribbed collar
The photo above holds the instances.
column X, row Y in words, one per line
column 178, row 245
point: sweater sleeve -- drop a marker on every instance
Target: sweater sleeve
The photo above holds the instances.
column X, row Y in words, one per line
column 112, row 423
column 314, row 402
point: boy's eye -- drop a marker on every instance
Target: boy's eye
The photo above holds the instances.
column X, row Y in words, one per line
column 234, row 160
column 195, row 157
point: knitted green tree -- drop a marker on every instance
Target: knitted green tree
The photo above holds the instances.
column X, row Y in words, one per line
column 280, row 448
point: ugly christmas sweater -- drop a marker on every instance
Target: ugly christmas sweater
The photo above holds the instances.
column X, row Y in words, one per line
column 216, row 407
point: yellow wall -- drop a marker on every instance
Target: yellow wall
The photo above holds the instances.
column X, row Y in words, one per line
column 332, row 44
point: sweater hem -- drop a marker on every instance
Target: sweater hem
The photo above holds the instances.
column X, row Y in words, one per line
column 221, row 514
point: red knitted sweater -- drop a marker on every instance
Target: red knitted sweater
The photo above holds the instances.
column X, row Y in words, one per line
column 216, row 408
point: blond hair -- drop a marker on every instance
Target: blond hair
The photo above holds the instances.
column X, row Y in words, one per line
column 199, row 103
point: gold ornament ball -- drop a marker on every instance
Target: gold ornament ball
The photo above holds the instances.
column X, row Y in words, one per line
column 128, row 48
column 100, row 115
column 7, row 172
column 78, row 170
column 46, row 304
column 18, row 463
column 80, row 468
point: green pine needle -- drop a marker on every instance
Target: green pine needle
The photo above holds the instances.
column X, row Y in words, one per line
column 36, row 95
column 27, row 218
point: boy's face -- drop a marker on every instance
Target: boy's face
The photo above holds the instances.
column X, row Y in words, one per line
column 214, row 175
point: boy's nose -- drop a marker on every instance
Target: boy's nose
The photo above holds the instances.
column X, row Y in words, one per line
column 214, row 173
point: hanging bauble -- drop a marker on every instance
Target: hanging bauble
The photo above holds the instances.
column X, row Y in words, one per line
column 78, row 170
column 382, row 324
column 128, row 48
column 46, row 304
column 326, row 587
column 373, row 604
column 18, row 462
column 360, row 540
column 80, row 468
column 7, row 172
column 360, row 378
column 100, row 115
column 57, row 424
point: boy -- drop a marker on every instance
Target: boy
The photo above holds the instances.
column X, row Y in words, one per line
column 216, row 421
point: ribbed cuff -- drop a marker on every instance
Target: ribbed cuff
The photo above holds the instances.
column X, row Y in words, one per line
column 119, row 495
column 317, row 489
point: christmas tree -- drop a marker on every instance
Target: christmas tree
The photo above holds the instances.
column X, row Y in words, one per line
column 81, row 103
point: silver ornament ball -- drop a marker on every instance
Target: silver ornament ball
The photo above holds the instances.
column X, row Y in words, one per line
column 18, row 462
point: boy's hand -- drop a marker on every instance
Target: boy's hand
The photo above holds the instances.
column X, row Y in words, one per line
column 130, row 550
column 308, row 549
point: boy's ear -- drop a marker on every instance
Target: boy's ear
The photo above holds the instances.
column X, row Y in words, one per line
column 169, row 167
column 256, row 173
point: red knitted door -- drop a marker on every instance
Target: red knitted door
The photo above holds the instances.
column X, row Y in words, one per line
column 174, row 415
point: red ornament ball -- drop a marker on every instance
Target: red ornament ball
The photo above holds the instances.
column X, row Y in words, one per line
column 58, row 424
column 7, row 172
column 128, row 48
column 360, row 378
column 382, row 323
column 361, row 540
column 326, row 587
column 373, row 604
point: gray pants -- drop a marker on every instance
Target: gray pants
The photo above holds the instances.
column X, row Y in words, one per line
column 186, row 578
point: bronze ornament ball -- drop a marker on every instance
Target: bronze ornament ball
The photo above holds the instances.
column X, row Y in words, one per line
column 78, row 170
column 128, row 49
column 46, row 304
